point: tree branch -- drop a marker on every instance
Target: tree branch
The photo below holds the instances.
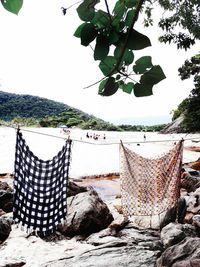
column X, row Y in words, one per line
column 107, row 7
column 94, row 83
column 139, row 6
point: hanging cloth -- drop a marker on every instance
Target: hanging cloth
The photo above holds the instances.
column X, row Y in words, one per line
column 40, row 188
column 149, row 186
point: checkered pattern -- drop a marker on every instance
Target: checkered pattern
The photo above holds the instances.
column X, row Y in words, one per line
column 40, row 187
column 149, row 186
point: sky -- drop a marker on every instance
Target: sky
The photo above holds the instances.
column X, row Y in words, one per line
column 40, row 56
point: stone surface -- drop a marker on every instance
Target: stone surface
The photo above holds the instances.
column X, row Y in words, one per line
column 87, row 214
column 5, row 229
column 196, row 221
column 6, row 199
column 130, row 247
column 74, row 189
column 186, row 253
column 171, row 234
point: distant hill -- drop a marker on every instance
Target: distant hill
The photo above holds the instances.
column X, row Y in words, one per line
column 33, row 110
column 28, row 110
column 27, row 106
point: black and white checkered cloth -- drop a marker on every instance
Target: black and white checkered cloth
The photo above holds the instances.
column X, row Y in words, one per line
column 40, row 188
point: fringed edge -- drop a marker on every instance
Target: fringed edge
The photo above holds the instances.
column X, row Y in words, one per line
column 37, row 231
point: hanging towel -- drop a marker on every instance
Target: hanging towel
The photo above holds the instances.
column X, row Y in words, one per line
column 40, row 188
column 149, row 186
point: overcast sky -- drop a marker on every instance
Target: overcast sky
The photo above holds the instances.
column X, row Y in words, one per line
column 40, row 56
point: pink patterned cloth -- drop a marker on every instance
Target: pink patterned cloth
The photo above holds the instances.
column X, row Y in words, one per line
column 149, row 186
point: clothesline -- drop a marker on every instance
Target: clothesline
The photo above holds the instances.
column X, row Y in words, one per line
column 102, row 143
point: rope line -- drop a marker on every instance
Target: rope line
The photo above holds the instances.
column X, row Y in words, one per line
column 98, row 143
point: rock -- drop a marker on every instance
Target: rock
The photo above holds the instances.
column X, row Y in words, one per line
column 2, row 212
column 74, row 189
column 87, row 214
column 13, row 264
column 118, row 224
column 172, row 234
column 4, row 186
column 196, row 221
column 190, row 183
column 131, row 247
column 184, row 254
column 177, row 212
column 174, row 126
column 6, row 200
column 5, row 229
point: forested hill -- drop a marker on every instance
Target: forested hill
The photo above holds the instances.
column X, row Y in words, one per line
column 27, row 106
column 37, row 111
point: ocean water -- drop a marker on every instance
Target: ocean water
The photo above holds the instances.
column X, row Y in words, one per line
column 94, row 157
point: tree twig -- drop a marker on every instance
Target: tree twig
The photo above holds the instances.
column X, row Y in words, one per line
column 139, row 6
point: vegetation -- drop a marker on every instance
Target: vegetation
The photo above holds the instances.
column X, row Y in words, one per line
column 14, row 105
column 190, row 106
column 18, row 109
column 143, row 128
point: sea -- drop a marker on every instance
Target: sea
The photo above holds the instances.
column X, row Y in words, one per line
column 91, row 156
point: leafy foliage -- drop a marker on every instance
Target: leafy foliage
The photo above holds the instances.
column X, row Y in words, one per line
column 34, row 111
column 181, row 23
column 12, row 6
column 190, row 106
column 115, row 39
column 14, row 105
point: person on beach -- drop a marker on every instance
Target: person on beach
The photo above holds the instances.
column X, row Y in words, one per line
column 144, row 137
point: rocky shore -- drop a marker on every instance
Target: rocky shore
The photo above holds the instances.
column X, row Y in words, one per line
column 97, row 234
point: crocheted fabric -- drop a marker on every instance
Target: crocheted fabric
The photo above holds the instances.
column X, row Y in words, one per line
column 149, row 186
column 40, row 188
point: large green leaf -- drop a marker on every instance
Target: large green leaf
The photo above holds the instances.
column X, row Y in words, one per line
column 119, row 10
column 101, row 48
column 137, row 41
column 127, row 88
column 101, row 19
column 79, row 29
column 108, row 87
column 153, row 76
column 107, row 65
column 129, row 17
column 113, row 37
column 85, row 12
column 142, row 89
column 131, row 3
column 128, row 55
column 88, row 34
column 148, row 80
column 142, row 65
column 13, row 6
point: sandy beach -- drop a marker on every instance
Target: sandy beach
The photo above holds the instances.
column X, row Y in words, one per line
column 96, row 157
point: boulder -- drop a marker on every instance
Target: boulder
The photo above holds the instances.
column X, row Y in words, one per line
column 177, row 212
column 4, row 185
column 74, row 189
column 87, row 214
column 172, row 234
column 184, row 254
column 131, row 247
column 174, row 126
column 6, row 200
column 196, row 221
column 5, row 229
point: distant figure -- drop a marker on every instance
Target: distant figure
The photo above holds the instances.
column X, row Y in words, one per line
column 87, row 135
column 144, row 137
column 104, row 136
